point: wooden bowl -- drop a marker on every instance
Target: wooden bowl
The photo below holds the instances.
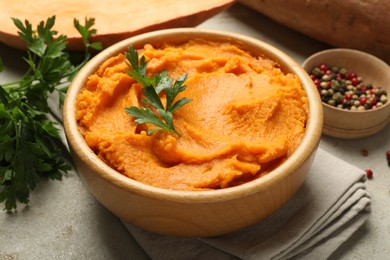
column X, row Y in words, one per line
column 349, row 124
column 193, row 213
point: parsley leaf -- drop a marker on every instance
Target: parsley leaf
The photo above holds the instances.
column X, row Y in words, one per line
column 30, row 143
column 86, row 32
column 153, row 87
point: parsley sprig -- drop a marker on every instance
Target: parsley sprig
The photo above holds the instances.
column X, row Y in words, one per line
column 153, row 87
column 30, row 143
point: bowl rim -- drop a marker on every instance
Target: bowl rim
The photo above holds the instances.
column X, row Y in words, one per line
column 357, row 54
column 303, row 152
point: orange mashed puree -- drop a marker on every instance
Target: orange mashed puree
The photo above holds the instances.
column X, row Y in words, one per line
column 246, row 117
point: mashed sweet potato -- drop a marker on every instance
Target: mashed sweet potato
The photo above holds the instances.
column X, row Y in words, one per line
column 246, row 117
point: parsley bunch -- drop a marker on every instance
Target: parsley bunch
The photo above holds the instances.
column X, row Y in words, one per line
column 160, row 116
column 30, row 143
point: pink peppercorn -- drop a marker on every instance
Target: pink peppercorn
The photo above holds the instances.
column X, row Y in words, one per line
column 323, row 67
column 354, row 81
column 317, row 82
column 348, row 96
column 369, row 173
column 348, row 76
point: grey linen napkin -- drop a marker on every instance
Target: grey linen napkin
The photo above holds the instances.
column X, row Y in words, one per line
column 330, row 206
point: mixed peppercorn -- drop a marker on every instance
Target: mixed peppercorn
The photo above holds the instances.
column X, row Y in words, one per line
column 346, row 90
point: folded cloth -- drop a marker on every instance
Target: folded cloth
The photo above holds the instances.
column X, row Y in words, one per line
column 329, row 207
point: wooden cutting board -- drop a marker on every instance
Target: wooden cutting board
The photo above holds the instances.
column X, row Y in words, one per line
column 115, row 20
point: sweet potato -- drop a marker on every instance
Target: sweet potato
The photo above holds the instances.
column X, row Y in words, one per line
column 115, row 20
column 362, row 25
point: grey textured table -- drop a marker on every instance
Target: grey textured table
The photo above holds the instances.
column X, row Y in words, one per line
column 64, row 221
